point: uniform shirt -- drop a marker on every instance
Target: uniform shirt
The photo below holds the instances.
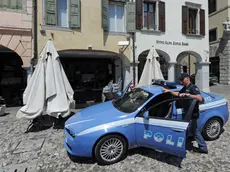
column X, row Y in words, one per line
column 193, row 90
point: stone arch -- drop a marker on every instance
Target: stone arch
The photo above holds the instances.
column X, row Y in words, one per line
column 183, row 54
column 163, row 60
column 16, row 56
column 20, row 43
column 160, row 52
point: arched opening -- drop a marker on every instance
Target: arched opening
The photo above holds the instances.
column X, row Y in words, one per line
column 163, row 60
column 89, row 71
column 186, row 63
column 12, row 76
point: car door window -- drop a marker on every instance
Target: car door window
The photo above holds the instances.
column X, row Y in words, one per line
column 159, row 98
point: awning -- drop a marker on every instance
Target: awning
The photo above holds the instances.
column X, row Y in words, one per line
column 76, row 53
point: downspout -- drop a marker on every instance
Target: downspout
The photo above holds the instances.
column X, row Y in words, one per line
column 35, row 34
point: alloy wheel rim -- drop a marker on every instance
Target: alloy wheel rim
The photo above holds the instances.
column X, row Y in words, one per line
column 213, row 129
column 111, row 149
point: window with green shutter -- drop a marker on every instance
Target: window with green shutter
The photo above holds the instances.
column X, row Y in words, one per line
column 74, row 14
column 50, row 8
column 12, row 4
column 63, row 13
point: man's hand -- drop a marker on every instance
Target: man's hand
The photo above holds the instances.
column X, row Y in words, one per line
column 165, row 90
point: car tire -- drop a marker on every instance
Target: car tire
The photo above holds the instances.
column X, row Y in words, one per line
column 110, row 145
column 212, row 129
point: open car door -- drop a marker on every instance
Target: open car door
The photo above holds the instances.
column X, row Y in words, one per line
column 162, row 133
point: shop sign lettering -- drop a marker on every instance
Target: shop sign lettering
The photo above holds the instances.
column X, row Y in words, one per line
column 176, row 43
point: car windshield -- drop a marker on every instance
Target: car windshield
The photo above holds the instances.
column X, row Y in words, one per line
column 131, row 101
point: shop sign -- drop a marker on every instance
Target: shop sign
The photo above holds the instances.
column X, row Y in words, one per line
column 176, row 43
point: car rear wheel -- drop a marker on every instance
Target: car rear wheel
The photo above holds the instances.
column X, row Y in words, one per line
column 212, row 129
column 110, row 149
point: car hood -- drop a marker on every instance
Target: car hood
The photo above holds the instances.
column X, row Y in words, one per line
column 93, row 116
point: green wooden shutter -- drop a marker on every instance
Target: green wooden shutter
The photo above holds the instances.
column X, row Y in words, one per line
column 104, row 15
column 13, row 4
column 75, row 14
column 19, row 4
column 1, row 3
column 5, row 3
column 131, row 17
column 50, row 9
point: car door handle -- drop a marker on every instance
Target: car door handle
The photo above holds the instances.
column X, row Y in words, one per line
column 177, row 130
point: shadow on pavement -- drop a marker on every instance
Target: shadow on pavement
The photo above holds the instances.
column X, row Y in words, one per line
column 81, row 160
column 45, row 122
column 159, row 156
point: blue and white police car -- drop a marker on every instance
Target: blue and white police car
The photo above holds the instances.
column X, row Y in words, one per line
column 143, row 117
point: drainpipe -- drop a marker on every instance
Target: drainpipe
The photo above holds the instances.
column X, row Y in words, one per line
column 35, row 35
column 134, row 64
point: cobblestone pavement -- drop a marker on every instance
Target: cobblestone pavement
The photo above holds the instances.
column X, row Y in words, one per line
column 43, row 151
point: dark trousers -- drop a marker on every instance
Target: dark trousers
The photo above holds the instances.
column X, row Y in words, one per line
column 197, row 134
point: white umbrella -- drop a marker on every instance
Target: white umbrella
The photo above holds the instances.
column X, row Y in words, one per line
column 151, row 70
column 49, row 90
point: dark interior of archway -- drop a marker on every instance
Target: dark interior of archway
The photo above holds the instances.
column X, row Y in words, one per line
column 163, row 65
column 12, row 76
column 88, row 76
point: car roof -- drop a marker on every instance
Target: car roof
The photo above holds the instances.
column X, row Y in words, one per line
column 157, row 89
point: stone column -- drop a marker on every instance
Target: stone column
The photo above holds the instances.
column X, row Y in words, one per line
column 202, row 76
column 171, row 71
column 178, row 70
column 225, row 61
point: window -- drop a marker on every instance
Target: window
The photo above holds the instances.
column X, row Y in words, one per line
column 168, row 107
column 131, row 101
column 62, row 13
column 192, row 17
column 211, row 6
column 193, row 20
column 11, row 4
column 212, row 35
column 150, row 15
column 116, row 17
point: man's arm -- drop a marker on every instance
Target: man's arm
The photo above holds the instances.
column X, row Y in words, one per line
column 198, row 97
column 196, row 94
column 172, row 92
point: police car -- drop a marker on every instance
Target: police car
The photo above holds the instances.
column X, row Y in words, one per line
column 143, row 117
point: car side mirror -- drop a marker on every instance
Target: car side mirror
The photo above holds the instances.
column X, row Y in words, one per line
column 146, row 115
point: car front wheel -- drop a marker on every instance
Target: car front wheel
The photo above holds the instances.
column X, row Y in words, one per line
column 212, row 129
column 110, row 149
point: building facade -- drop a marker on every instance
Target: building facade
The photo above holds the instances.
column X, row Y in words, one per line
column 87, row 35
column 176, row 33
column 15, row 44
column 219, row 12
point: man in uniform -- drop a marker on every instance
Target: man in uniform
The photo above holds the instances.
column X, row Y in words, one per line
column 192, row 91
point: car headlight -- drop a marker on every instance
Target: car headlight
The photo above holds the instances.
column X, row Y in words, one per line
column 70, row 132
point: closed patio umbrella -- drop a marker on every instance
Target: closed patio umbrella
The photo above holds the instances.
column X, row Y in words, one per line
column 151, row 70
column 48, row 91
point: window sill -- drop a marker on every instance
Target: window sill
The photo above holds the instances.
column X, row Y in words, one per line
column 48, row 27
column 214, row 42
column 118, row 33
column 22, row 11
column 194, row 35
column 151, row 31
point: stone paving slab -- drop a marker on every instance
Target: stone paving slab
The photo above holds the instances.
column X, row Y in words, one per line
column 29, row 145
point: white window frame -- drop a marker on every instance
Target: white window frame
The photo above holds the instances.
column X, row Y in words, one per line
column 124, row 16
column 197, row 7
column 156, row 17
column 44, row 16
